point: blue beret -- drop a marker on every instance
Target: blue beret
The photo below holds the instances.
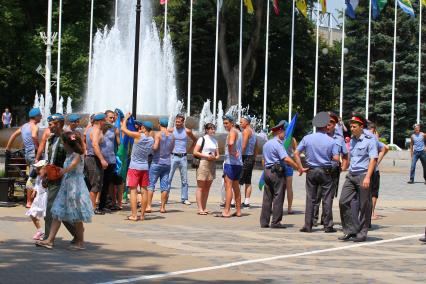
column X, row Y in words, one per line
column 247, row 117
column 164, row 122
column 148, row 124
column 228, row 117
column 138, row 122
column 99, row 116
column 57, row 117
column 119, row 112
column 49, row 118
column 73, row 117
column 34, row 112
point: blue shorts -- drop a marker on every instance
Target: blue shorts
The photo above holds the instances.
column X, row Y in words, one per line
column 233, row 172
column 159, row 172
column 288, row 171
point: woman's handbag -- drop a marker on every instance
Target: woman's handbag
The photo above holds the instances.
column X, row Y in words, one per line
column 196, row 160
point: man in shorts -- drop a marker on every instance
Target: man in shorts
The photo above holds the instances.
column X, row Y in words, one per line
column 248, row 156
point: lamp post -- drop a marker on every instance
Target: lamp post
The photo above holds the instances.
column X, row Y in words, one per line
column 136, row 59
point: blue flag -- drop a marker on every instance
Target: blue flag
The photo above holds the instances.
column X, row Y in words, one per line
column 351, row 6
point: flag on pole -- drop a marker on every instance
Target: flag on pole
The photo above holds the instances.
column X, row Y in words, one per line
column 323, row 6
column 249, row 6
column 377, row 7
column 351, row 6
column 407, row 7
column 262, row 181
column 277, row 7
column 126, row 143
column 220, row 3
column 289, row 132
column 163, row 2
column 424, row 2
column 301, row 6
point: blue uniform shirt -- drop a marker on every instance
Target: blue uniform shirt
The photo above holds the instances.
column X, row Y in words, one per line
column 341, row 146
column 319, row 149
column 273, row 152
column 418, row 142
column 362, row 150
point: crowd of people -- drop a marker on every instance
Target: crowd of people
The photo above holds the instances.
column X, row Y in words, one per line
column 76, row 173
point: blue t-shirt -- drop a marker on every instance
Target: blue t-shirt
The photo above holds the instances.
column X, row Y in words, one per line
column 418, row 142
column 361, row 151
column 274, row 152
column 319, row 149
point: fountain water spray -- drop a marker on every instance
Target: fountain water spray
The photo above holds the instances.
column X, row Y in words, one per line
column 110, row 84
column 69, row 105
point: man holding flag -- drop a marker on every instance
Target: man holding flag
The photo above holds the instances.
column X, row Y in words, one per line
column 274, row 159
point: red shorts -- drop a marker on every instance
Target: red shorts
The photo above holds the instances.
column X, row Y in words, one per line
column 137, row 177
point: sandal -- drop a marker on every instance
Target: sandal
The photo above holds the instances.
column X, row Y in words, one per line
column 44, row 245
column 221, row 216
column 202, row 213
column 236, row 215
column 74, row 247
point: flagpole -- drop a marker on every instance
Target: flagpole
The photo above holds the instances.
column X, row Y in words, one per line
column 393, row 73
column 190, row 60
column 316, row 63
column 240, row 60
column 342, row 68
column 290, row 93
column 58, row 69
column 419, row 86
column 90, row 47
column 165, row 18
column 367, row 89
column 116, row 12
column 265, row 90
column 216, row 58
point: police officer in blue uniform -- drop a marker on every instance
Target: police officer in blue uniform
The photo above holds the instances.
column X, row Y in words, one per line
column 275, row 157
column 357, row 186
column 336, row 166
column 320, row 149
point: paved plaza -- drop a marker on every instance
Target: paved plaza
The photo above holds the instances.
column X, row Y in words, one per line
column 182, row 247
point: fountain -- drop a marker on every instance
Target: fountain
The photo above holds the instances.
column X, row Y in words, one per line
column 111, row 79
column 69, row 106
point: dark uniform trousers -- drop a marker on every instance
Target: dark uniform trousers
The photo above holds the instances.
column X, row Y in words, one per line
column 319, row 183
column 273, row 197
column 335, row 177
column 52, row 192
column 355, row 206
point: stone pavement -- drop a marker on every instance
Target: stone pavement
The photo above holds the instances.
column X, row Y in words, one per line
column 181, row 240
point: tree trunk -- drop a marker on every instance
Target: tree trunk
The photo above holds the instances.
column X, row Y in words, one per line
column 231, row 73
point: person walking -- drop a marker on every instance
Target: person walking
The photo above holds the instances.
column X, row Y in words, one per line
column 56, row 155
column 138, row 173
column 160, row 166
column 179, row 155
column 72, row 203
column 6, row 118
column 249, row 157
column 320, row 149
column 207, row 150
column 29, row 134
column 275, row 159
column 357, row 186
column 417, row 151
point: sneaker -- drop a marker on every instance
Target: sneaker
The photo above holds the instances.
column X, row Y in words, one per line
column 245, row 205
column 186, row 202
column 410, row 181
column 38, row 236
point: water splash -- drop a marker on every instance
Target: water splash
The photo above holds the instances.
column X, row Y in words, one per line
column 206, row 116
column 177, row 109
column 69, row 105
column 60, row 105
column 111, row 78
column 219, row 119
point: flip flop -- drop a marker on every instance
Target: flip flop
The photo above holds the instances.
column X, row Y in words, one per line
column 74, row 247
column 235, row 215
column 163, row 212
column 130, row 218
column 44, row 245
column 202, row 213
column 221, row 216
column 148, row 211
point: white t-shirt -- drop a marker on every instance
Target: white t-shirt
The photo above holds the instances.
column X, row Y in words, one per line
column 210, row 144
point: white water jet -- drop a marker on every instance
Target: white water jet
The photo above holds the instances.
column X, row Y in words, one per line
column 176, row 110
column 219, row 119
column 36, row 101
column 60, row 105
column 111, row 78
column 206, row 116
column 69, row 105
